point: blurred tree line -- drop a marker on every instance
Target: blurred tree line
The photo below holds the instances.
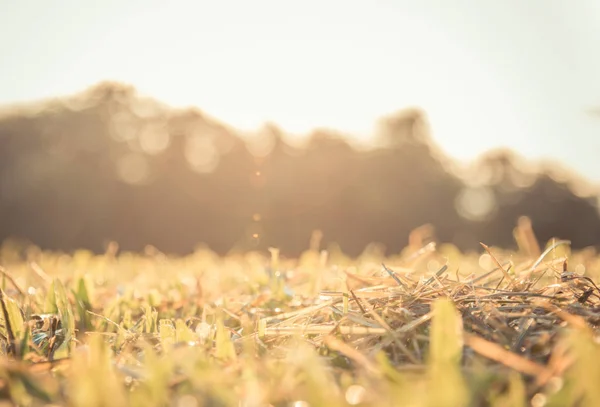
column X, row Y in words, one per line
column 109, row 165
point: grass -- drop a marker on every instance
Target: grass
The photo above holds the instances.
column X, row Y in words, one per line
column 428, row 327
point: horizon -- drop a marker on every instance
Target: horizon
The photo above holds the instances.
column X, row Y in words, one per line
column 461, row 67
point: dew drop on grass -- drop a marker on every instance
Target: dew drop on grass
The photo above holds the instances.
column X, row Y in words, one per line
column 539, row 400
column 555, row 384
column 203, row 331
column 355, row 394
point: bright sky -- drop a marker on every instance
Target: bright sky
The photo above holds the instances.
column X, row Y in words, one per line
column 523, row 74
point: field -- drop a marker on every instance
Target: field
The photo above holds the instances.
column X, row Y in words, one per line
column 426, row 327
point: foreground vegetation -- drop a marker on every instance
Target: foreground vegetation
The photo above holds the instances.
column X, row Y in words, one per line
column 427, row 327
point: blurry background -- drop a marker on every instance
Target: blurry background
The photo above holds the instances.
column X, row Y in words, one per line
column 152, row 122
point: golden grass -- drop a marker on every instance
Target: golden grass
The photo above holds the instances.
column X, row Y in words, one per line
column 428, row 327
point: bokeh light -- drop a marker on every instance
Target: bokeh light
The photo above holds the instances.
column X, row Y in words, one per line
column 133, row 168
column 201, row 154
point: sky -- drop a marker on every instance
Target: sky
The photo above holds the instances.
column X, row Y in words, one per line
column 510, row 73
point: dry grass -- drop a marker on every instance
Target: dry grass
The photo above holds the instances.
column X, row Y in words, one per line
column 428, row 327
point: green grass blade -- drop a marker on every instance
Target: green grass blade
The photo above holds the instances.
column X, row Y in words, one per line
column 444, row 364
